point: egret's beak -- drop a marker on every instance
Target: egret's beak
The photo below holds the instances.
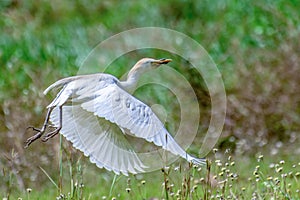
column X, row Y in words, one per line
column 162, row 61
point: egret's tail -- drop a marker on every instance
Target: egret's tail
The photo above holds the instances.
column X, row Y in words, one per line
column 60, row 83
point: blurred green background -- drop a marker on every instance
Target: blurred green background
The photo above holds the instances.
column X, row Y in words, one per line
column 255, row 45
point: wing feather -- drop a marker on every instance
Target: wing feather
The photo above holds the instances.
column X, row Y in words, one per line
column 116, row 105
column 96, row 115
column 98, row 139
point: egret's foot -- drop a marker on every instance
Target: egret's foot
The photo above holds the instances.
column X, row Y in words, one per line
column 51, row 134
column 34, row 137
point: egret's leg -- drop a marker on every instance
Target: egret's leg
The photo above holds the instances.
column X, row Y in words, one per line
column 56, row 131
column 41, row 131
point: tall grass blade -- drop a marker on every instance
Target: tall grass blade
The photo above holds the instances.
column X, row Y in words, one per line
column 52, row 181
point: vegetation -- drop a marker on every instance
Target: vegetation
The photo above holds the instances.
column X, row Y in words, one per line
column 255, row 45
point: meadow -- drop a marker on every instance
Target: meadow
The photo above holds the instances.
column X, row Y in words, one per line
column 255, row 45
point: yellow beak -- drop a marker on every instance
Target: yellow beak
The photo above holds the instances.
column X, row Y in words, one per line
column 162, row 61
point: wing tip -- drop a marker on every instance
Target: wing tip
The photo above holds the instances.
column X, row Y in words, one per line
column 198, row 161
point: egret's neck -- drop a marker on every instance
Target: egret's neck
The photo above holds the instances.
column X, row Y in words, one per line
column 132, row 79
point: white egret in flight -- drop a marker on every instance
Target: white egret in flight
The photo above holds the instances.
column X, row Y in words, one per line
column 102, row 97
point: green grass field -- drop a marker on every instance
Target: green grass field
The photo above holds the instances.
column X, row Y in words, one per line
column 256, row 47
column 226, row 178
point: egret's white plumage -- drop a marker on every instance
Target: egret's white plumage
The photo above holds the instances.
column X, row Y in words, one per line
column 95, row 111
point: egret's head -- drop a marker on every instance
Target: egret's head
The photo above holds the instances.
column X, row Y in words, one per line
column 139, row 69
column 146, row 64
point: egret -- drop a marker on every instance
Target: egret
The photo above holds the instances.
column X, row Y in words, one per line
column 102, row 97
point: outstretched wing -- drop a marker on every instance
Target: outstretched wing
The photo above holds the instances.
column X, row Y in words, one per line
column 96, row 109
column 116, row 105
column 98, row 139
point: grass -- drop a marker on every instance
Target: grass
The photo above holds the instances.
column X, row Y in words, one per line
column 256, row 47
column 224, row 178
